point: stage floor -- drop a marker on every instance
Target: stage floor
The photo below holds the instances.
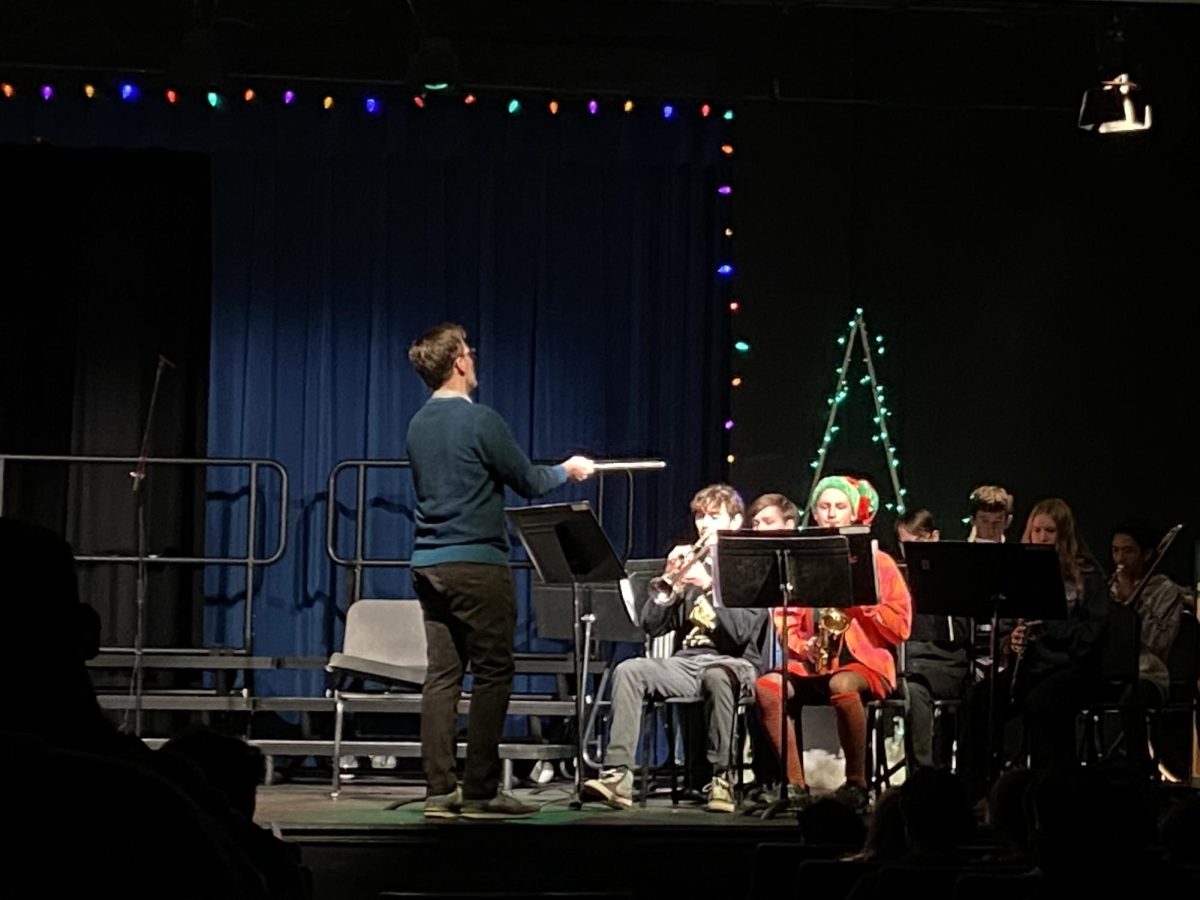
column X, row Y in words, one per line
column 295, row 808
column 358, row 847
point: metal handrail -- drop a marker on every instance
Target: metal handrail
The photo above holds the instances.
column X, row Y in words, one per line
column 250, row 561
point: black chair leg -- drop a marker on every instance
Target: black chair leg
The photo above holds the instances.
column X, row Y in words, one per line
column 647, row 741
column 669, row 728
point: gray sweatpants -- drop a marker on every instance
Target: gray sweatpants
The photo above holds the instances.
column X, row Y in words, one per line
column 678, row 676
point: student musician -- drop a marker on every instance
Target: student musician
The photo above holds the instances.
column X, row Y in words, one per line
column 837, row 656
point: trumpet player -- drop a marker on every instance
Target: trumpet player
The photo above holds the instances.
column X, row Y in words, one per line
column 837, row 669
column 718, row 654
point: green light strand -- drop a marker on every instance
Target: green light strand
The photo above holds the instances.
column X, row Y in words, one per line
column 857, row 327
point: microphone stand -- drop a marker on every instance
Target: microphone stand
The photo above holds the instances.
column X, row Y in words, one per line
column 137, row 681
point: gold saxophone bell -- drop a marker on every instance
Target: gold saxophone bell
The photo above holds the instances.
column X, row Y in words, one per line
column 832, row 623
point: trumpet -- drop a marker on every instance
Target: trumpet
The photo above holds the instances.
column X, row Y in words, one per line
column 670, row 583
column 832, row 623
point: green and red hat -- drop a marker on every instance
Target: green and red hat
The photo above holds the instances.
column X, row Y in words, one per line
column 861, row 494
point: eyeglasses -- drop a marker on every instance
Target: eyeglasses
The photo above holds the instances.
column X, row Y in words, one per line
column 471, row 352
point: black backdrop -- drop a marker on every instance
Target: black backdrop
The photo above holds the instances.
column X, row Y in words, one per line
column 1035, row 284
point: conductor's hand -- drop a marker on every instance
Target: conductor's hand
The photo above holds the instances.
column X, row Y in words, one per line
column 579, row 468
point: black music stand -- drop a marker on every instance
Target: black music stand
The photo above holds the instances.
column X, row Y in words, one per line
column 566, row 545
column 989, row 581
column 778, row 570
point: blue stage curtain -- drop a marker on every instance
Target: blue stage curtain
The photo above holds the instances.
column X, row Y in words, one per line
column 579, row 252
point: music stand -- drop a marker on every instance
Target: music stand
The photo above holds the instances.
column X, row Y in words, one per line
column 566, row 545
column 772, row 569
column 989, row 581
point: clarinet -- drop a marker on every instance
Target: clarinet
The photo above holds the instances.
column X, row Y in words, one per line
column 1016, row 669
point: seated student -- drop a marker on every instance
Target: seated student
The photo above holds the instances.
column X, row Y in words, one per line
column 826, row 668
column 1159, row 604
column 773, row 512
column 991, row 513
column 718, row 655
column 1058, row 671
column 937, row 659
column 768, row 512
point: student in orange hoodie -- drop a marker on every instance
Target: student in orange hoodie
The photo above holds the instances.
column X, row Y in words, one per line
column 859, row 665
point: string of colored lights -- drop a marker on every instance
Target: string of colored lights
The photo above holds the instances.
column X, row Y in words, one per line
column 130, row 91
column 858, row 329
column 725, row 271
column 373, row 103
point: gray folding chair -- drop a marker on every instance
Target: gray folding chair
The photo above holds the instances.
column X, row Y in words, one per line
column 385, row 642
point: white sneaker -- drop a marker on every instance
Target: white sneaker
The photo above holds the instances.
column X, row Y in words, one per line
column 720, row 795
column 348, row 762
column 383, row 762
column 543, row 772
column 614, row 787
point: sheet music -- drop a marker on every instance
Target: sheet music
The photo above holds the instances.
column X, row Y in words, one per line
column 630, row 599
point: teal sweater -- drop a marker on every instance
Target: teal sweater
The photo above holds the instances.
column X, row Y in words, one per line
column 463, row 455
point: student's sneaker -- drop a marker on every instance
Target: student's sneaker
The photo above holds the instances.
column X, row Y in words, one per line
column 614, row 787
column 720, row 795
column 854, row 795
column 444, row 806
column 503, row 806
column 542, row 772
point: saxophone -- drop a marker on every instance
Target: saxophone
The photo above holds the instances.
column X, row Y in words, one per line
column 832, row 623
